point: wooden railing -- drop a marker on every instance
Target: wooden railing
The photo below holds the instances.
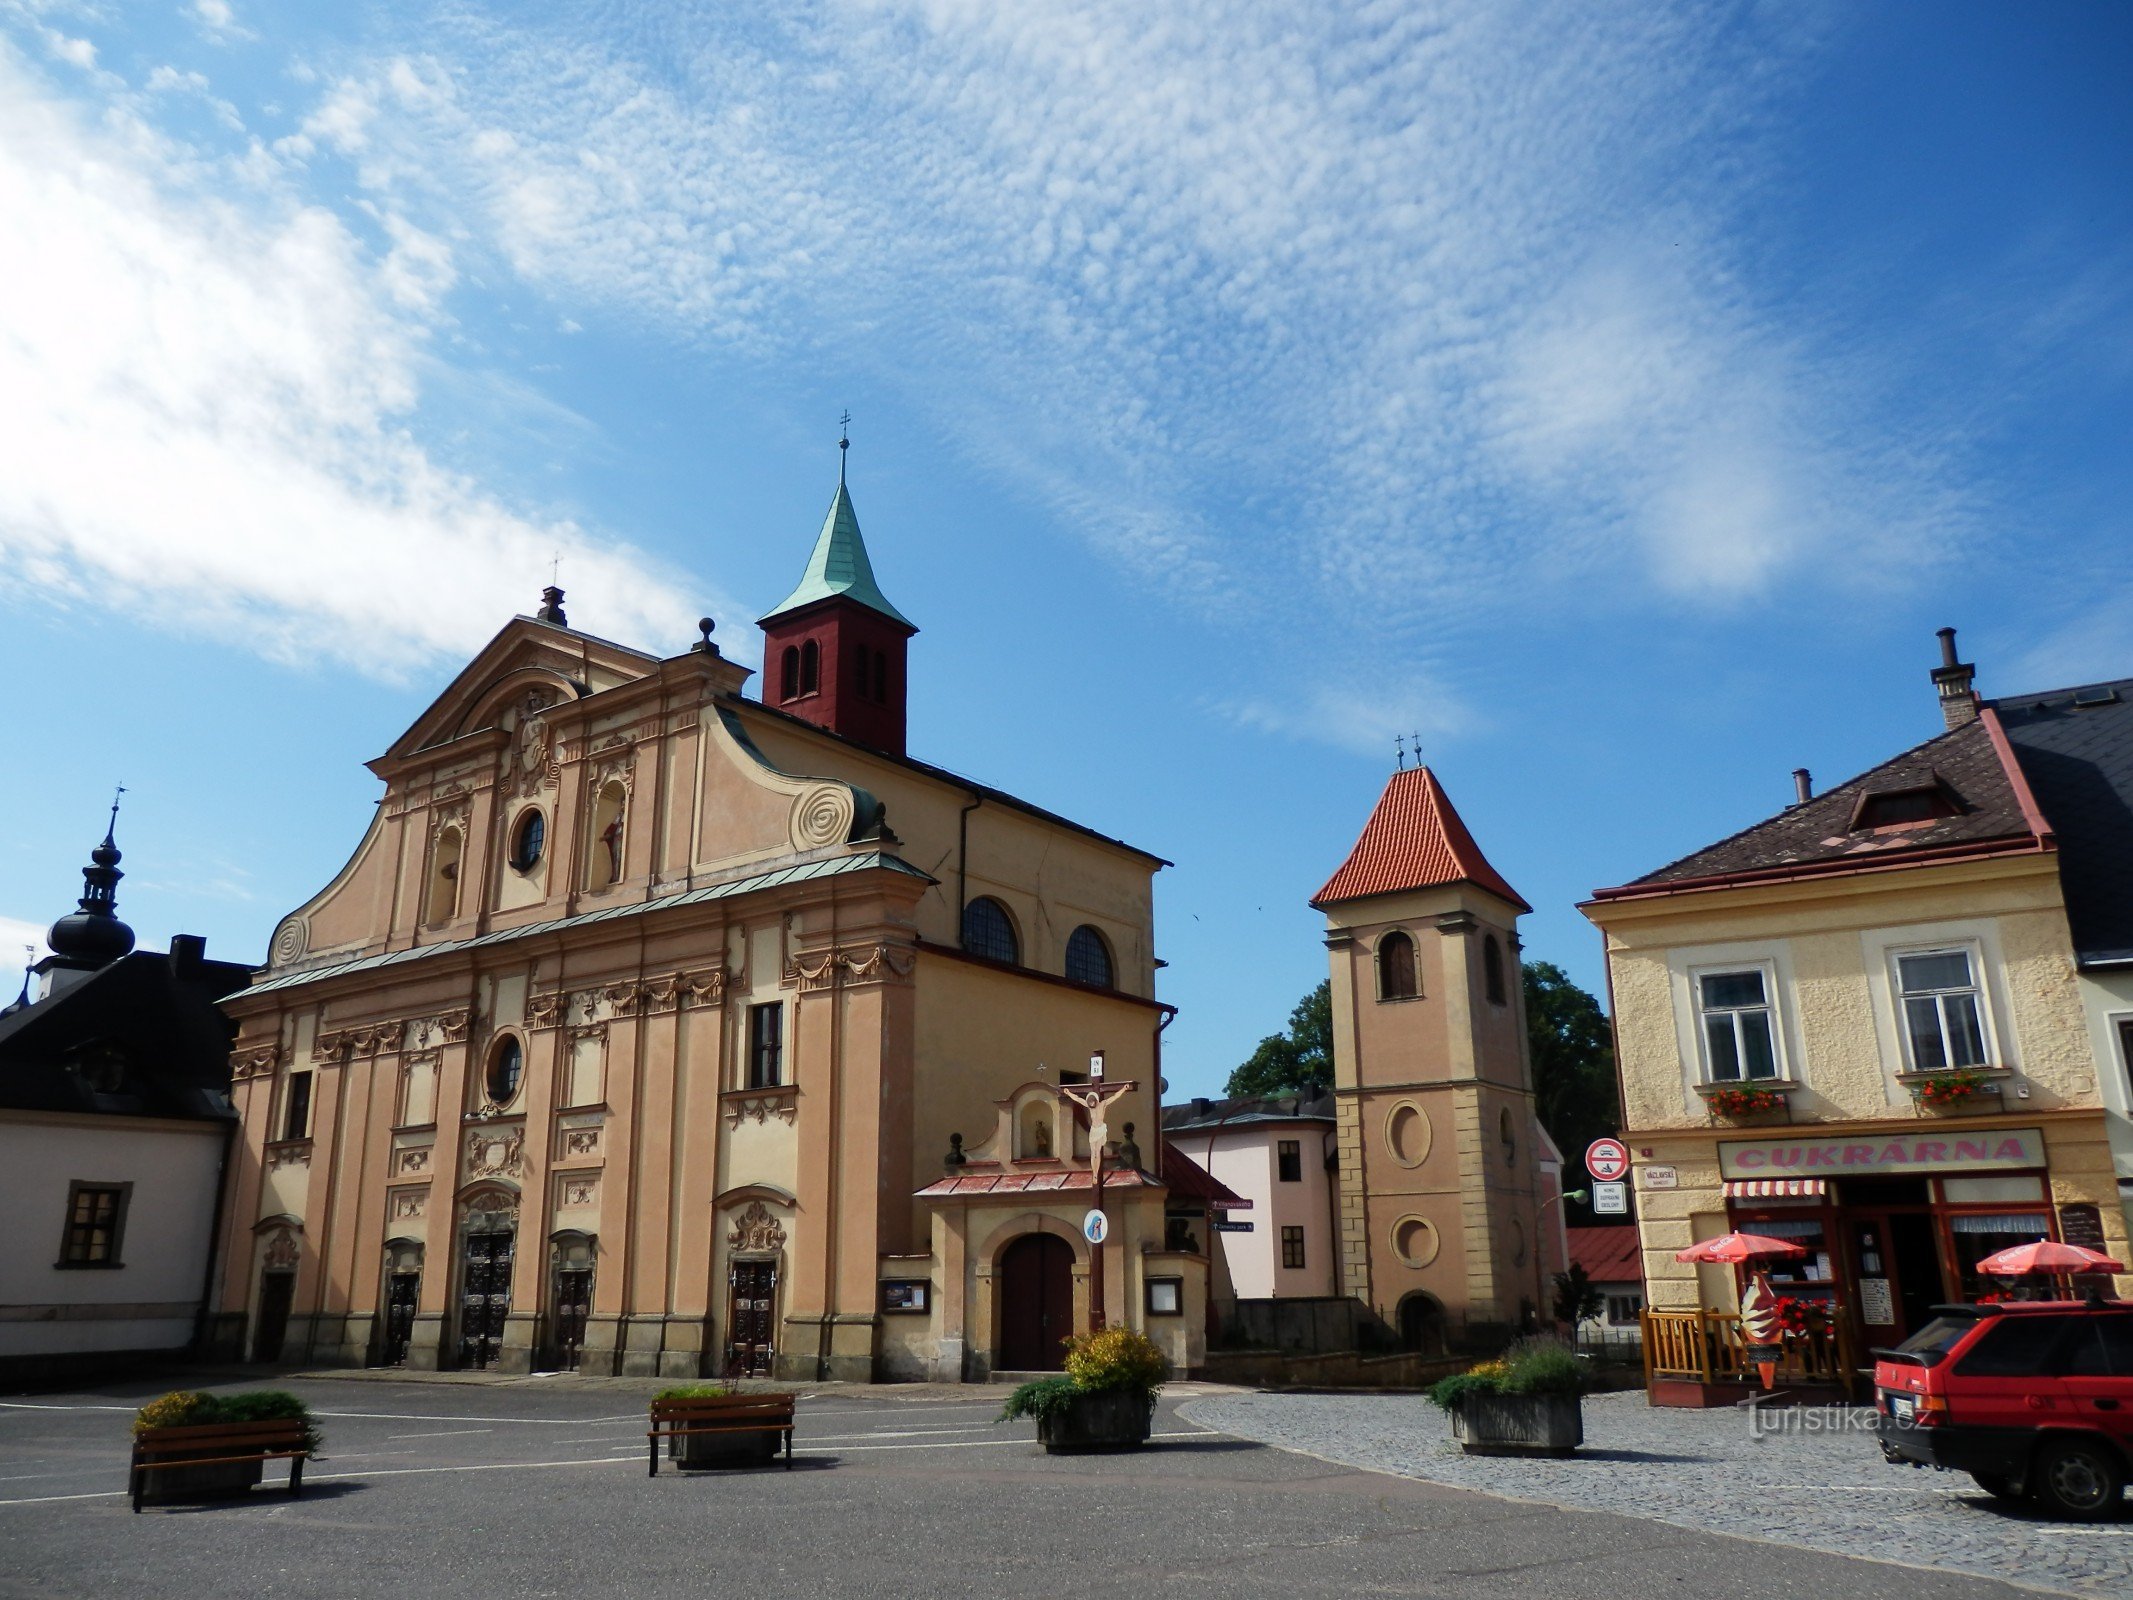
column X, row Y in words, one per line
column 1706, row 1347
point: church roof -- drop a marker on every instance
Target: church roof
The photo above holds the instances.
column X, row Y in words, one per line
column 1413, row 840
column 839, row 566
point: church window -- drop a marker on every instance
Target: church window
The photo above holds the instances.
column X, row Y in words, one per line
column 1492, row 970
column 445, row 860
column 881, row 676
column 766, row 1042
column 810, row 667
column 789, row 674
column 988, row 932
column 1088, row 958
column 96, row 1222
column 1396, row 967
column 529, row 836
column 296, row 1116
column 507, row 1065
column 1507, row 1137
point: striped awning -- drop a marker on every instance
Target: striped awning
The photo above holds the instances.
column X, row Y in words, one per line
column 1776, row 1188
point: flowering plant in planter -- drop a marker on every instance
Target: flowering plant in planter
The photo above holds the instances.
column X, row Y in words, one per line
column 1743, row 1102
column 1524, row 1403
column 1955, row 1087
column 1800, row 1318
column 191, row 1408
column 1104, row 1397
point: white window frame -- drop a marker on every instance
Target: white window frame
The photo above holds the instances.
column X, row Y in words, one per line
column 1771, row 1004
column 1970, row 953
column 1879, row 948
column 1686, row 963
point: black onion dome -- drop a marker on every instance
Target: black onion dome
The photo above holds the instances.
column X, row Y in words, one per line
column 93, row 936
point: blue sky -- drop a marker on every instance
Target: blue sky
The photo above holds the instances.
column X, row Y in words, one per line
column 1617, row 396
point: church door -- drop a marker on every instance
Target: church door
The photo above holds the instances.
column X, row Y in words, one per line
column 751, row 1319
column 573, row 1303
column 402, row 1291
column 276, row 1291
column 1036, row 1303
column 484, row 1297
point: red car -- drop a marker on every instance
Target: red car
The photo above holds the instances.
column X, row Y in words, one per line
column 2032, row 1397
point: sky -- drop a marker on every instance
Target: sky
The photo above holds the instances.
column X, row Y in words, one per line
column 1616, row 398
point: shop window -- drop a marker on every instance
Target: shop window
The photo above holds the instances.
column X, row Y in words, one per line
column 1088, row 958
column 296, row 1117
column 1978, row 1234
column 1292, row 1247
column 2016, row 1347
column 987, row 931
column 1396, row 967
column 1941, row 1014
column 1288, row 1153
column 1812, row 1272
column 1739, row 1033
column 766, row 1043
column 1492, row 971
column 96, row 1224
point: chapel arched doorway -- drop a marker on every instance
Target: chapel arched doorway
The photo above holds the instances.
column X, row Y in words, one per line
column 1036, row 1303
column 487, row 1243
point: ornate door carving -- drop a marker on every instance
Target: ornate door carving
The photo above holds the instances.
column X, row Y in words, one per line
column 751, row 1319
column 484, row 1296
column 402, row 1292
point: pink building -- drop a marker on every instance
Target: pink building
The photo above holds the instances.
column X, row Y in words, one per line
column 1278, row 1154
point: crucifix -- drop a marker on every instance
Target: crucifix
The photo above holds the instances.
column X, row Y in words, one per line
column 1095, row 1097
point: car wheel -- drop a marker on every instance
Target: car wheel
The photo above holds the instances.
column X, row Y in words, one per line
column 2079, row 1479
column 2000, row 1487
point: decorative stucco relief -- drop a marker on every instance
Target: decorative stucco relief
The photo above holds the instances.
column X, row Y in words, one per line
column 496, row 1152
column 821, row 815
column 761, row 1105
column 580, row 1191
column 756, row 1231
column 256, row 1062
column 408, row 1204
column 875, row 963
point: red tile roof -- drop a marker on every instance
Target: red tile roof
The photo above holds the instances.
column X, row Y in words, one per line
column 1185, row 1178
column 1608, row 1255
column 1189, row 1180
column 1414, row 840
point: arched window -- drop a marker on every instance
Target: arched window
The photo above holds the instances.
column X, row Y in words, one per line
column 507, row 1065
column 789, row 673
column 605, row 864
column 1088, row 958
column 529, row 836
column 1507, row 1137
column 810, row 667
column 987, row 931
column 881, row 676
column 1492, row 970
column 1396, row 967
column 445, row 861
column 859, row 671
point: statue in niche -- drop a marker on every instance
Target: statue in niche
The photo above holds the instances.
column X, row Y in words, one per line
column 1040, row 1140
column 611, row 836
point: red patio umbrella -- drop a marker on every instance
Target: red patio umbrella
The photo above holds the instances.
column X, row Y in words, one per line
column 1730, row 1249
column 2046, row 1256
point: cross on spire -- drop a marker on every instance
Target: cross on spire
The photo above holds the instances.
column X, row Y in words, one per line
column 844, row 442
column 1399, row 751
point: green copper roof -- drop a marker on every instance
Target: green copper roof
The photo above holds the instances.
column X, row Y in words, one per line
column 840, row 566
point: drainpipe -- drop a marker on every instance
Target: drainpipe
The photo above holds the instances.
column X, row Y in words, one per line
column 205, row 1320
column 962, row 862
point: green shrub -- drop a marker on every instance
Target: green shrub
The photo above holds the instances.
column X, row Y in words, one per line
column 697, row 1391
column 1533, row 1366
column 195, row 1409
column 1116, row 1358
column 1040, row 1397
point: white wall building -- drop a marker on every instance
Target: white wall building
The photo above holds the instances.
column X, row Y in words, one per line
column 1277, row 1154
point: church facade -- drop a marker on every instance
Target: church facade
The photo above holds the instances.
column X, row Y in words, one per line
column 655, row 1028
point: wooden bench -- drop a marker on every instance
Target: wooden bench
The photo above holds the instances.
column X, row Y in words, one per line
column 219, row 1444
column 736, row 1413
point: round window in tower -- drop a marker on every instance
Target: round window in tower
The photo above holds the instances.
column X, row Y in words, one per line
column 507, row 1064
column 528, row 838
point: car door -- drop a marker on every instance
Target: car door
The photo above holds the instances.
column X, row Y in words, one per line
column 2009, row 1377
column 2098, row 1367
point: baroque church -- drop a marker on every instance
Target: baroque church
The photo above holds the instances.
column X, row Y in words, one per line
column 657, row 1028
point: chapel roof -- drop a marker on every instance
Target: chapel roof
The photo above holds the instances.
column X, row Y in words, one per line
column 1414, row 840
column 839, row 566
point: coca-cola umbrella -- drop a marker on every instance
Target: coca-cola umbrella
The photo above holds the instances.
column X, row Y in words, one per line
column 2046, row 1255
column 1731, row 1249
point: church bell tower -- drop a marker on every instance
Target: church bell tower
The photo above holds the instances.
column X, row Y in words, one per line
column 834, row 652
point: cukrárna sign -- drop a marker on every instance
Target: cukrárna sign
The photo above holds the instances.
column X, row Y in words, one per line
column 1992, row 1149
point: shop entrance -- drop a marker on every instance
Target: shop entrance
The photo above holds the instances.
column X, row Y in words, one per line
column 1895, row 1262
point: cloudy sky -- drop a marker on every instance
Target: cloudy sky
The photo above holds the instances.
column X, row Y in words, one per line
column 1615, row 396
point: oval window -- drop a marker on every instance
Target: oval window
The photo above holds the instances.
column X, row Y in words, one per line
column 1408, row 1133
column 506, row 1067
column 1414, row 1241
column 528, row 840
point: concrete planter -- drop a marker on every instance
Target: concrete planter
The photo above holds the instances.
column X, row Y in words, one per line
column 1110, row 1419
column 757, row 1447
column 1519, row 1424
column 173, row 1485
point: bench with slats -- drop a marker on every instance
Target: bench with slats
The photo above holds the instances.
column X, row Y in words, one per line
column 218, row 1444
column 738, row 1413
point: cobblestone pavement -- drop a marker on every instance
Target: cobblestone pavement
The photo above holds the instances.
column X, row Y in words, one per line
column 1826, row 1490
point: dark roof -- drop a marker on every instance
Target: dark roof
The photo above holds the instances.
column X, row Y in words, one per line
column 1608, row 1254
column 1202, row 1113
column 1189, row 1180
column 2075, row 746
column 1415, row 839
column 156, row 1031
column 1963, row 763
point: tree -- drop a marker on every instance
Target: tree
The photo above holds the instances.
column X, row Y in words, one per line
column 1573, row 1063
column 1298, row 1062
column 1575, row 1297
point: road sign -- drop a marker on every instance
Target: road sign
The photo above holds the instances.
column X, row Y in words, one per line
column 1610, row 1199
column 1607, row 1159
column 1095, row 1227
column 1233, row 1227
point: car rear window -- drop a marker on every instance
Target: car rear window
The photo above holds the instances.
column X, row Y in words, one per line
column 2015, row 1347
column 1937, row 1337
column 2102, row 1347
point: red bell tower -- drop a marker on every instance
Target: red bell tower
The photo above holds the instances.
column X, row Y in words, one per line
column 834, row 652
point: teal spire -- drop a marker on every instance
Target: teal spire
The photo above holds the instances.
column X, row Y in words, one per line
column 839, row 565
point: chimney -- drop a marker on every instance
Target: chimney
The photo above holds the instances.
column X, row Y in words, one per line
column 1958, row 701
column 187, row 952
column 1803, row 785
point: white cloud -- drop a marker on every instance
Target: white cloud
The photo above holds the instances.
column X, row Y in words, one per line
column 210, row 396
column 218, row 20
column 1408, row 707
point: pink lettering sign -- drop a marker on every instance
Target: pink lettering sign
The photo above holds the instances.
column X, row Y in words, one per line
column 1998, row 1149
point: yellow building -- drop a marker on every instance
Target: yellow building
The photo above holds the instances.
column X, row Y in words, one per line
column 1857, row 1026
column 644, row 1011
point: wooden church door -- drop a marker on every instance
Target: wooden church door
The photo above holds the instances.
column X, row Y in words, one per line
column 1036, row 1303
column 751, row 1319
